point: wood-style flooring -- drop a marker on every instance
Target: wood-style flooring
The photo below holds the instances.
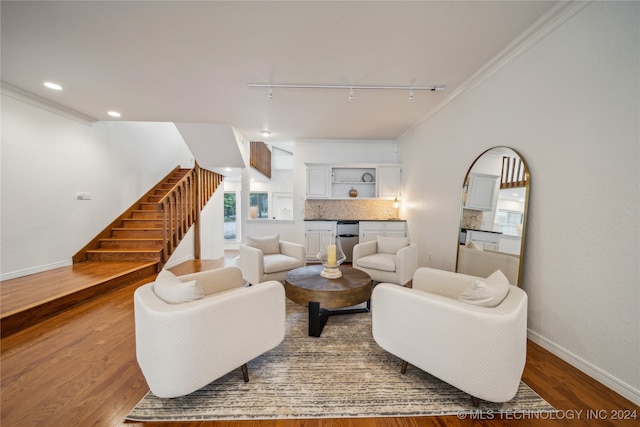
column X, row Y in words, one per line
column 79, row 369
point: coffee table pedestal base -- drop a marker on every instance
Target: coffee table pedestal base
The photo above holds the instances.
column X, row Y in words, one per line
column 318, row 316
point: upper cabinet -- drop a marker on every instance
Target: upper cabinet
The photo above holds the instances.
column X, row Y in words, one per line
column 482, row 192
column 318, row 184
column 389, row 181
column 353, row 181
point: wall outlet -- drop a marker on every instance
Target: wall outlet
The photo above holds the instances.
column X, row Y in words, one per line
column 83, row 195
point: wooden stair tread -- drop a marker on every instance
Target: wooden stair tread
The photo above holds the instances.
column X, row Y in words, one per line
column 137, row 228
column 132, row 250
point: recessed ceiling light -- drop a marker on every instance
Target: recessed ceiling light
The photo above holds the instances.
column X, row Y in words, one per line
column 53, row 86
column 114, row 114
column 265, row 133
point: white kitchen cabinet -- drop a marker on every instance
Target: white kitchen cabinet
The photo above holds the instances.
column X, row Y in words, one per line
column 318, row 182
column 510, row 244
column 317, row 232
column 371, row 181
column 487, row 239
column 369, row 230
column 389, row 181
column 482, row 192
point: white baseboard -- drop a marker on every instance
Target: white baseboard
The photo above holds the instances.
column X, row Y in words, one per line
column 623, row 389
column 34, row 270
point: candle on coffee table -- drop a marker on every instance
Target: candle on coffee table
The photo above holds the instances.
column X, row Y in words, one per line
column 331, row 255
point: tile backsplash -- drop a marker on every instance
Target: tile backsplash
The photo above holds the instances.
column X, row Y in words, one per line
column 374, row 209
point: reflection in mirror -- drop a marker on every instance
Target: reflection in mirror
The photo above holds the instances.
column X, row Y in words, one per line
column 493, row 215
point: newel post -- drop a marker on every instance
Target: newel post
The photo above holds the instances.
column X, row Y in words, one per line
column 196, row 202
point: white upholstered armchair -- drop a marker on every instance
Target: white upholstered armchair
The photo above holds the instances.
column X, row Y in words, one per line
column 269, row 258
column 193, row 329
column 387, row 259
column 470, row 332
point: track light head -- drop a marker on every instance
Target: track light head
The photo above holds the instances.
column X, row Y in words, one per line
column 411, row 95
column 270, row 94
column 351, row 95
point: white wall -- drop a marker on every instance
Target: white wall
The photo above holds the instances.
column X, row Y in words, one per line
column 46, row 158
column 570, row 107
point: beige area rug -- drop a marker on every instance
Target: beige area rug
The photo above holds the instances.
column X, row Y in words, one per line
column 342, row 374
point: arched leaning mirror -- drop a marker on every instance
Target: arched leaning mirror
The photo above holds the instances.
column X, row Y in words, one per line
column 493, row 218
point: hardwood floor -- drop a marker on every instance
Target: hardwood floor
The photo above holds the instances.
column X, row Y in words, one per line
column 79, row 369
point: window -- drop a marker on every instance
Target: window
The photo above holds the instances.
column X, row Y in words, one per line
column 230, row 224
column 258, row 205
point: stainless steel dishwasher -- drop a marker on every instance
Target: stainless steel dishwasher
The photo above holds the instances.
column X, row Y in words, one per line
column 349, row 234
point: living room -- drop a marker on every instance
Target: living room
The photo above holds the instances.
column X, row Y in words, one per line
column 566, row 100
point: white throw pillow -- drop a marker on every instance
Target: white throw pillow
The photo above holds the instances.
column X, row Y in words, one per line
column 268, row 245
column 487, row 293
column 391, row 245
column 172, row 290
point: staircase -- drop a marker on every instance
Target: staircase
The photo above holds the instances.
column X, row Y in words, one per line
column 140, row 236
column 152, row 228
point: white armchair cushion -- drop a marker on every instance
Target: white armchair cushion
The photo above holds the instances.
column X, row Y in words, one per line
column 267, row 244
column 172, row 290
column 486, row 293
column 258, row 266
column 379, row 261
column 279, row 262
column 391, row 245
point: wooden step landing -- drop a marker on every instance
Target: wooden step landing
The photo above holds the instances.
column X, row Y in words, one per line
column 30, row 299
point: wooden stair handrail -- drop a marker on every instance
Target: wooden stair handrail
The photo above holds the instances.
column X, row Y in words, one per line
column 181, row 206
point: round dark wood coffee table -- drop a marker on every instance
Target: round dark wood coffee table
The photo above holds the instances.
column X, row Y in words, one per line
column 305, row 286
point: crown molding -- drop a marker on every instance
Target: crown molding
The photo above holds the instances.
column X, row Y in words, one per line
column 547, row 23
column 45, row 104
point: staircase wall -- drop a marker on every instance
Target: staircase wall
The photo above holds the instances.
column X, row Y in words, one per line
column 46, row 158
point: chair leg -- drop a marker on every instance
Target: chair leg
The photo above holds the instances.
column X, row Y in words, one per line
column 403, row 368
column 245, row 373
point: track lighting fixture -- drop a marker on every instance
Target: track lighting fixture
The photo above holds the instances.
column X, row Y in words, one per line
column 411, row 89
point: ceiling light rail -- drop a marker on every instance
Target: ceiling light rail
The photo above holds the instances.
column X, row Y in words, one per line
column 351, row 88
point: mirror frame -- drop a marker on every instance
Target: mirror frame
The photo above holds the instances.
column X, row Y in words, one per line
column 526, row 205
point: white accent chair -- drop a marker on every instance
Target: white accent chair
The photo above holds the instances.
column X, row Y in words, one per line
column 446, row 325
column 193, row 329
column 387, row 259
column 269, row 258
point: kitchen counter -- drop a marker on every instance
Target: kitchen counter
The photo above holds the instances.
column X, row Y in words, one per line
column 360, row 220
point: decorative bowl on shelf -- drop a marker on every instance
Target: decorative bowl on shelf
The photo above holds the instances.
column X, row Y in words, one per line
column 353, row 192
column 331, row 256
